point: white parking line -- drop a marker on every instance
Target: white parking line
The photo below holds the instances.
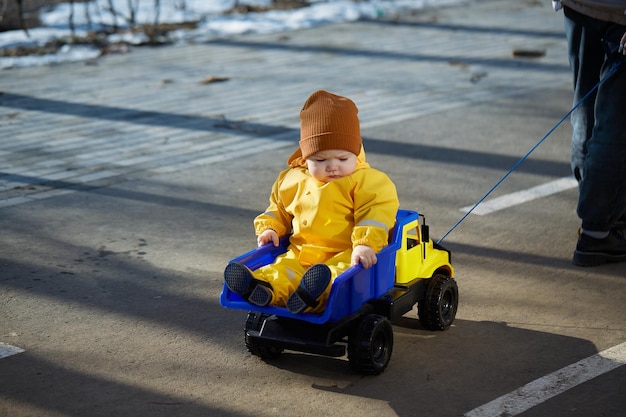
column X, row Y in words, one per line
column 551, row 385
column 523, row 196
column 9, row 350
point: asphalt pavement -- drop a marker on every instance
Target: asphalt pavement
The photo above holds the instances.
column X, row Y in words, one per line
column 127, row 183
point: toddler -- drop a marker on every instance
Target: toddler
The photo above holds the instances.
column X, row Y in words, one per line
column 337, row 208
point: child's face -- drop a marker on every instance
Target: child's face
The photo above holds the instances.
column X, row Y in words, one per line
column 329, row 165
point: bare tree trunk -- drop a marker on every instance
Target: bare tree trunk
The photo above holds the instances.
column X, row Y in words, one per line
column 114, row 14
column 88, row 18
column 3, row 9
column 131, row 13
column 20, row 13
column 157, row 11
column 71, row 18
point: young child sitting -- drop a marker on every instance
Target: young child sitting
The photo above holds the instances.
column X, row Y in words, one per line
column 337, row 208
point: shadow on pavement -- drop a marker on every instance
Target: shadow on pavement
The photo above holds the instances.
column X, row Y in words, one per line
column 129, row 115
column 452, row 372
column 50, row 389
column 447, row 27
column 393, row 56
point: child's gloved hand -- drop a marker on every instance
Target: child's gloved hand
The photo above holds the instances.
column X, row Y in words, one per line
column 267, row 237
column 365, row 255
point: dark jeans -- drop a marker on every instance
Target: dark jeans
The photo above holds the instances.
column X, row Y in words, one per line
column 599, row 124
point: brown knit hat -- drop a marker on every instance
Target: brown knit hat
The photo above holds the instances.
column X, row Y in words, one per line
column 329, row 121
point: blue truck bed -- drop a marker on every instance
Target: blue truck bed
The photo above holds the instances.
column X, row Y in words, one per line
column 349, row 291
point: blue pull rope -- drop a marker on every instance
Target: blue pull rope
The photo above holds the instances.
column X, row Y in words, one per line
column 518, row 163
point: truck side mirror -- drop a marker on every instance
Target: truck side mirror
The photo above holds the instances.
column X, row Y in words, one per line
column 425, row 233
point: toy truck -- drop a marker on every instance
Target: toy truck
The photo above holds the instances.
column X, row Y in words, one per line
column 362, row 303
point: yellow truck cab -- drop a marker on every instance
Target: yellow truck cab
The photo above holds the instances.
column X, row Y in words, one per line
column 423, row 276
column 419, row 257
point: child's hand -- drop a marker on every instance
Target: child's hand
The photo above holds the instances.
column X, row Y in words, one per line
column 365, row 255
column 267, row 237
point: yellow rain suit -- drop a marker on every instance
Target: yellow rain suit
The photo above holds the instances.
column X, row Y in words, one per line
column 326, row 221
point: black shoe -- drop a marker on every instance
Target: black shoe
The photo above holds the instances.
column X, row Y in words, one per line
column 312, row 285
column 592, row 252
column 240, row 281
column 261, row 294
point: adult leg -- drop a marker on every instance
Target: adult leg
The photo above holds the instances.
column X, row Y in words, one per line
column 586, row 56
column 602, row 191
column 602, row 197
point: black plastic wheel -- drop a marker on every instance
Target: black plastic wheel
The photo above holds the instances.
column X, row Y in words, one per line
column 438, row 309
column 370, row 345
column 254, row 322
